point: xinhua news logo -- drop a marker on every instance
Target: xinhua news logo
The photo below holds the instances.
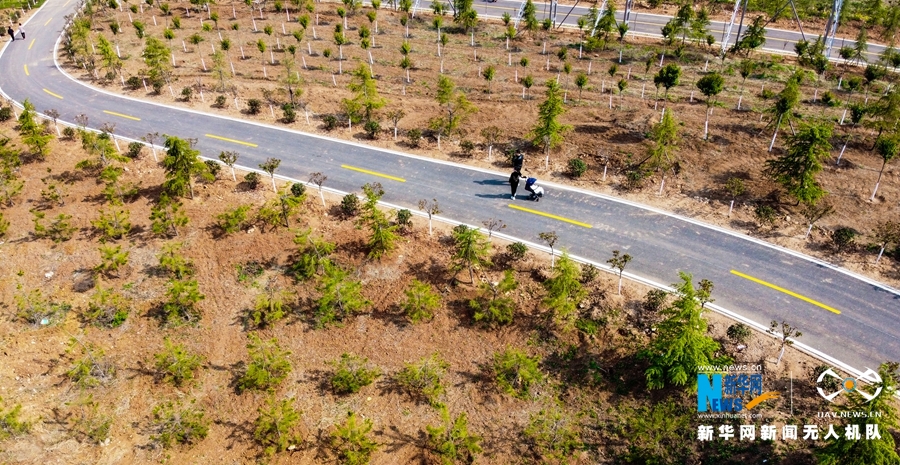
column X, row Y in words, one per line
column 850, row 384
column 718, row 392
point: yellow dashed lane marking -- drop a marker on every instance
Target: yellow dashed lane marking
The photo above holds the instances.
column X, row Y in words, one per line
column 121, row 115
column 373, row 173
column 548, row 215
column 51, row 93
column 248, row 144
column 48, row 21
column 790, row 293
column 26, row 71
column 31, row 44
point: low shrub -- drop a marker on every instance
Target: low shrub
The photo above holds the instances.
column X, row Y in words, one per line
column 516, row 372
column 424, row 379
column 268, row 367
column 844, row 239
column 254, row 106
column 577, row 167
column 175, row 364
column 352, row 373
column 177, row 425
column 516, row 250
column 739, row 333
column 252, row 179
column 350, row 205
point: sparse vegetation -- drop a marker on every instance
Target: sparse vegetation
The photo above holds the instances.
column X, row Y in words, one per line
column 352, row 373
column 424, row 379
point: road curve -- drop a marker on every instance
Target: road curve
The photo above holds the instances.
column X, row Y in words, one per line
column 753, row 279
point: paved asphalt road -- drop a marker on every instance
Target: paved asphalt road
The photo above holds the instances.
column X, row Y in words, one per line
column 862, row 335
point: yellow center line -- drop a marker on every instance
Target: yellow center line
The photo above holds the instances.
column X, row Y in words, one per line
column 31, row 44
column 548, row 215
column 373, row 173
column 121, row 115
column 51, row 18
column 26, row 71
column 790, row 293
column 51, row 93
column 248, row 144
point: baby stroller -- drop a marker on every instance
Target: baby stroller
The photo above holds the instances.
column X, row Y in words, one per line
column 536, row 191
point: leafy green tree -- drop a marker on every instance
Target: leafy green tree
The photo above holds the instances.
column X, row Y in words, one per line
column 182, row 164
column 454, row 103
column 553, row 434
column 564, row 290
column 887, row 148
column 796, row 170
column 529, row 16
column 268, row 367
column 166, row 216
column 680, row 24
column 581, row 82
column 618, row 262
column 451, row 441
column 881, row 414
column 366, row 101
column 682, row 343
column 182, row 297
column 229, row 158
column 516, row 373
column 711, row 85
column 157, row 57
column 384, row 235
column 340, row 298
column 352, row 373
column 667, row 77
column 753, row 38
column 784, row 106
column 548, row 131
column 176, row 364
column 470, row 250
column 464, row 15
column 488, row 75
column 662, row 154
column 111, row 61
column 275, row 427
column 34, row 135
column 421, row 301
column 351, row 440
column 270, row 166
column 495, row 306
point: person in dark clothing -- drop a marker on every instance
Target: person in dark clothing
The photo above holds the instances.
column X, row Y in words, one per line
column 514, row 183
column 517, row 161
column 12, row 34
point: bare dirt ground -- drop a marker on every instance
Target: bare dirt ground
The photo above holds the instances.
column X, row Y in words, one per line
column 37, row 358
column 600, row 135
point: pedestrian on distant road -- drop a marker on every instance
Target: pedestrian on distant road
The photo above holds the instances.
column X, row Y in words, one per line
column 12, row 34
column 517, row 161
column 514, row 183
column 22, row 31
